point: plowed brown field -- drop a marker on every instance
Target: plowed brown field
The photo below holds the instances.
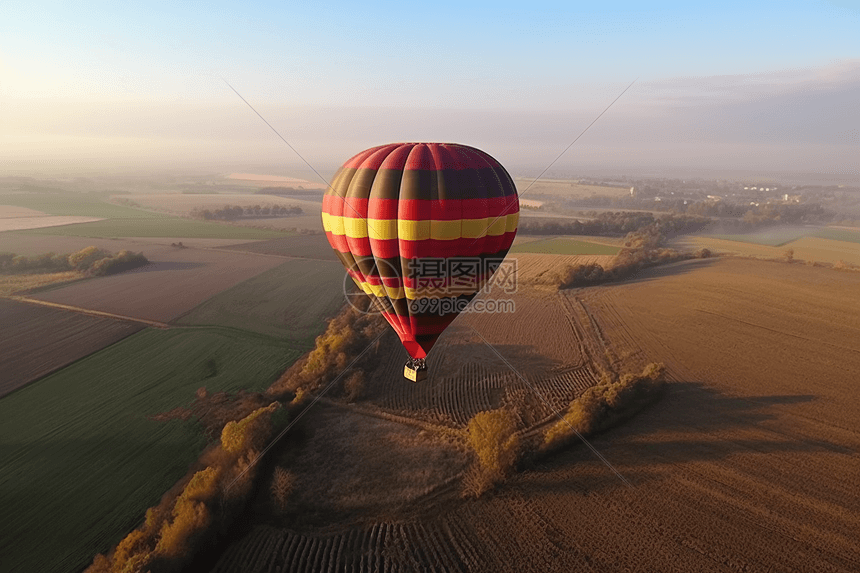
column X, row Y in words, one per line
column 175, row 281
column 749, row 463
column 35, row 340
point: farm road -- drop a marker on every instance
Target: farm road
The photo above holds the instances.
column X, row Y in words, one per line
column 153, row 323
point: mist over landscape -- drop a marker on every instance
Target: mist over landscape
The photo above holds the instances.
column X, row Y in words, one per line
column 451, row 287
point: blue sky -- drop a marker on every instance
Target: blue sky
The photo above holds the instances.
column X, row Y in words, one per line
column 515, row 63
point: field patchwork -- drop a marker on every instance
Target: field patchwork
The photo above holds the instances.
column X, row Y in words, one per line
column 83, row 459
column 288, row 301
column 175, row 282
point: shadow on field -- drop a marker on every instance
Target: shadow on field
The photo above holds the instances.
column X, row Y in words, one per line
column 661, row 271
column 691, row 423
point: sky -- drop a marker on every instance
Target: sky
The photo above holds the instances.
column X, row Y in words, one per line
column 141, row 85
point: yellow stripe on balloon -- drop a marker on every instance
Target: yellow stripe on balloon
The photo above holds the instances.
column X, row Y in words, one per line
column 397, row 293
column 384, row 229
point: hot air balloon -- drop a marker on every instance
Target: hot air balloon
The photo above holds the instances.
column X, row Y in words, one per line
column 421, row 228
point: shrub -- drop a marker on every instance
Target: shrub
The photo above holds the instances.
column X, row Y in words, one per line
column 282, row 486
column 84, row 259
column 347, row 335
column 123, row 261
column 191, row 515
column 249, row 432
column 353, row 386
column 600, row 405
column 132, row 551
column 493, row 437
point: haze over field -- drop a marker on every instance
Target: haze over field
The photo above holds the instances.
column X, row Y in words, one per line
column 729, row 87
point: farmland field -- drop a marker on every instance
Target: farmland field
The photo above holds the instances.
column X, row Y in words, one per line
column 779, row 236
column 565, row 246
column 749, row 462
column 288, row 301
column 37, row 340
column 13, row 212
column 11, row 284
column 839, row 234
column 567, row 189
column 27, row 244
column 113, row 220
column 808, row 248
column 533, row 267
column 24, row 223
column 302, row 246
column 306, row 222
column 274, row 180
column 74, row 204
column 82, row 458
column 176, row 281
column 159, row 227
column 772, row 236
column 184, row 204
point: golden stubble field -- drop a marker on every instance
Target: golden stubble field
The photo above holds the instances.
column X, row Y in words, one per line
column 14, row 218
column 806, row 249
column 749, row 462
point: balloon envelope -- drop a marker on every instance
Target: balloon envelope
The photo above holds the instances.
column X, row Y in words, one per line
column 421, row 228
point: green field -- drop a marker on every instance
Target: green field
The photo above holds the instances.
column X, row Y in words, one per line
column 157, row 227
column 76, row 204
column 564, row 246
column 780, row 236
column 122, row 221
column 839, row 235
column 81, row 461
column 772, row 237
column 286, row 302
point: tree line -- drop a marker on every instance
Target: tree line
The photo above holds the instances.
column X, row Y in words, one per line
column 642, row 248
column 234, row 212
column 614, row 224
column 90, row 260
column 747, row 216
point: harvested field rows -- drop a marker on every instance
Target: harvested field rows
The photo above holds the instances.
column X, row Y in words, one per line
column 35, row 341
column 748, row 463
column 532, row 267
column 788, row 328
column 720, row 483
column 566, row 246
column 433, row 547
column 466, row 377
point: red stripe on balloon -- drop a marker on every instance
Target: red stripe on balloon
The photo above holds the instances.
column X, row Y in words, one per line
column 421, row 156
